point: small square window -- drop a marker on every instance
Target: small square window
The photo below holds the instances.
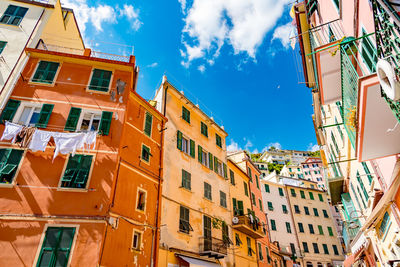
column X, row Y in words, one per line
column 141, row 200
column 145, row 153
column 137, row 239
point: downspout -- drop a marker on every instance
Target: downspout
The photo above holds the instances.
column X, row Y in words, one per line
column 356, row 17
column 15, row 65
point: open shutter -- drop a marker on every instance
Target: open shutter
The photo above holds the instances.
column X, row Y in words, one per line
column 44, row 115
column 210, row 161
column 216, row 164
column 73, row 118
column 200, row 150
column 105, row 123
column 192, row 149
column 9, row 110
column 179, row 140
column 225, row 171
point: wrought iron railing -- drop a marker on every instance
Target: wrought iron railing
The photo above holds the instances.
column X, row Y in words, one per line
column 387, row 34
column 213, row 245
column 326, row 33
column 253, row 224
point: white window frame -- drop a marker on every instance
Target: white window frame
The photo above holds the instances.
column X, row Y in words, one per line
column 205, row 161
column 187, row 140
column 139, row 243
column 83, row 113
column 21, row 108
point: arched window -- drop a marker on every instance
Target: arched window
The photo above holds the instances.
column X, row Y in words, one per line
column 319, row 264
column 309, row 264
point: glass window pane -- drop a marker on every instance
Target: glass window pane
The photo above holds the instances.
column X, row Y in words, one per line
column 46, row 259
column 23, row 119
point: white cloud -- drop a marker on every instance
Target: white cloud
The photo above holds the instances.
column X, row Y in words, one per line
column 152, row 65
column 275, row 144
column 283, row 33
column 210, row 24
column 312, row 147
column 233, row 146
column 248, row 145
column 201, row 68
column 183, row 5
column 100, row 14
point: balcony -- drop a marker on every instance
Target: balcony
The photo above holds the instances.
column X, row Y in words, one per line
column 213, row 247
column 245, row 226
column 325, row 42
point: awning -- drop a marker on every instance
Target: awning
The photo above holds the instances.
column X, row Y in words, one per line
column 359, row 243
column 198, row 263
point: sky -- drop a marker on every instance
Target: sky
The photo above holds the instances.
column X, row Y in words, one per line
column 232, row 57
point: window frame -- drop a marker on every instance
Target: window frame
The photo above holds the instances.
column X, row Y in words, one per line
column 140, row 233
column 93, row 114
column 20, row 110
column 141, row 154
column 18, row 168
column 207, row 190
column 185, row 114
column 186, row 181
column 41, row 82
column 147, row 113
column 13, row 17
column 99, row 91
column 138, row 191
column 222, row 200
column 85, row 189
column 204, row 129
column 3, row 45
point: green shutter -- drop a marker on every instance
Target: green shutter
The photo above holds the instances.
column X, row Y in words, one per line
column 77, row 171
column 105, row 123
column 100, row 80
column 225, row 171
column 210, row 161
column 216, row 164
column 200, row 152
column 234, row 205
column 9, row 110
column 45, row 72
column 240, row 207
column 73, row 118
column 148, row 123
column 192, row 149
column 179, row 140
column 44, row 115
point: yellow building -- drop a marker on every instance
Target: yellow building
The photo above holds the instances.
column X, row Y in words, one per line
column 244, row 236
column 316, row 230
column 195, row 225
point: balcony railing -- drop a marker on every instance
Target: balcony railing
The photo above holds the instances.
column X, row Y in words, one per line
column 213, row 247
column 326, row 33
column 349, row 233
column 249, row 227
column 387, row 33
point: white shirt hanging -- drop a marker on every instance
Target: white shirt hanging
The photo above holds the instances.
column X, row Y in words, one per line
column 11, row 131
column 39, row 141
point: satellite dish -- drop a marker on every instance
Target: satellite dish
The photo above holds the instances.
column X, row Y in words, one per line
column 235, row 220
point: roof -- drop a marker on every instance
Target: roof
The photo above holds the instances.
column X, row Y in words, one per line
column 36, row 3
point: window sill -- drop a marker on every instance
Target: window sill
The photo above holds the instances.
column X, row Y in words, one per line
column 187, row 190
column 4, row 185
column 184, row 233
column 98, row 91
column 42, row 83
column 12, row 25
column 66, row 189
column 209, row 200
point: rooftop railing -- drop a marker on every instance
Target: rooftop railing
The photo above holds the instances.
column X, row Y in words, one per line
column 326, row 33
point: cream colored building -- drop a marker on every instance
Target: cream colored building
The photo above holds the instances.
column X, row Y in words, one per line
column 196, row 208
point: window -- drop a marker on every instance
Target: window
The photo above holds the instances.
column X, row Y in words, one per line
column 305, row 247
column 137, row 239
column 187, row 145
column 29, row 115
column 249, row 173
column 207, row 191
column 2, row 46
column 218, row 140
column 148, row 124
column 88, row 121
column 273, row 225
column 280, row 191
column 266, row 188
column 292, row 248
column 207, row 232
column 315, row 212
column 219, row 168
column 267, row 253
column 321, row 232
column 293, row 192
column 270, row 207
column 222, row 199
column 311, row 195
column 145, row 153
column 302, row 194
column 305, row 166
column 184, row 225
column 306, row 211
column 185, row 114
column 301, row 228
column 253, row 199
column 249, row 249
column 321, row 198
column 45, row 72
column 100, row 80
column 232, row 176
column 225, row 234
column 260, row 255
column 9, row 161
column 141, row 200
column 369, row 176
column 330, row 231
column 384, row 224
column 316, row 249
column 284, row 209
column 56, row 247
column 77, row 171
column 368, row 53
column 296, row 209
column 260, row 204
column 246, row 190
column 237, row 207
column 257, row 182
column 237, row 240
column 326, row 251
column 325, row 213
column 13, row 15
column 288, row 229
column 204, row 129
column 311, row 228
column 204, row 157
column 335, row 250
column 186, row 180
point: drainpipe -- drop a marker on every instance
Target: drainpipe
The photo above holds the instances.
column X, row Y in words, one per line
column 12, row 71
column 356, row 17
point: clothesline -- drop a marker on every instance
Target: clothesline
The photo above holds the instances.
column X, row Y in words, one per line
column 37, row 140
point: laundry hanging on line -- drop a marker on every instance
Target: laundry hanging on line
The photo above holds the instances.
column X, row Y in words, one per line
column 11, row 131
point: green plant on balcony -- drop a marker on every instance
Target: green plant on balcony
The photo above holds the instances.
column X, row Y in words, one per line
column 351, row 119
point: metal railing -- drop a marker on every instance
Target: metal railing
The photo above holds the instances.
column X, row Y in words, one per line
column 245, row 220
column 109, row 56
column 213, row 245
column 387, row 34
column 326, row 33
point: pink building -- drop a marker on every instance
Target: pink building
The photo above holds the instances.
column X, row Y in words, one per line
column 313, row 171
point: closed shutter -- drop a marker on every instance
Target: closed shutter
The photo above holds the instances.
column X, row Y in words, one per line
column 225, row 172
column 200, row 150
column 77, row 171
column 73, row 118
column 240, row 207
column 105, row 123
column 44, row 115
column 192, row 149
column 234, row 202
column 148, row 123
column 210, row 161
column 216, row 164
column 179, row 140
column 9, row 111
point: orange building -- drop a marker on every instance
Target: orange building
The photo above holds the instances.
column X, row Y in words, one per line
column 91, row 204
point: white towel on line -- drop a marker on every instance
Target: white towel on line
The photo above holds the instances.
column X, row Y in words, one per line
column 11, row 131
column 40, row 139
column 68, row 143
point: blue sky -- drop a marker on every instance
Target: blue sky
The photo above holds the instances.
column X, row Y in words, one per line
column 230, row 56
